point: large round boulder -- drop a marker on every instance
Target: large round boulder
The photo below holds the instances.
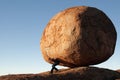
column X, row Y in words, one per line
column 78, row 36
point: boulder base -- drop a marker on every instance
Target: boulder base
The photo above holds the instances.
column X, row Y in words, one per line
column 78, row 36
column 79, row 73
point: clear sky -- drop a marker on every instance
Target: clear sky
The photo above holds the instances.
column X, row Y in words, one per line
column 22, row 23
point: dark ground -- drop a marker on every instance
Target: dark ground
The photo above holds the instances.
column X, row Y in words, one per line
column 79, row 73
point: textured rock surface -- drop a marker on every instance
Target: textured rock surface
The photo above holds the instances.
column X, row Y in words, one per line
column 80, row 73
column 78, row 36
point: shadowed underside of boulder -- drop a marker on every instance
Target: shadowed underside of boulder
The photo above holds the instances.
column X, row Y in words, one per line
column 80, row 73
column 78, row 36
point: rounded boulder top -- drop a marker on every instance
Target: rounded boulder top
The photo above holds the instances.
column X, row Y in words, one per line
column 78, row 36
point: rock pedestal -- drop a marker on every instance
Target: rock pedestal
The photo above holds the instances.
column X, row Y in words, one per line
column 78, row 36
column 79, row 73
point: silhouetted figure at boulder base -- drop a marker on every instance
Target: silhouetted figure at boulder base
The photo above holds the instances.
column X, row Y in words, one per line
column 56, row 62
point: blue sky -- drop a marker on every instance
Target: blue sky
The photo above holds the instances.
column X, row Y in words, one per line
column 22, row 23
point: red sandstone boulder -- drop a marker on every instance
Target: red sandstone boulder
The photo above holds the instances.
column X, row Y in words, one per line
column 78, row 36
